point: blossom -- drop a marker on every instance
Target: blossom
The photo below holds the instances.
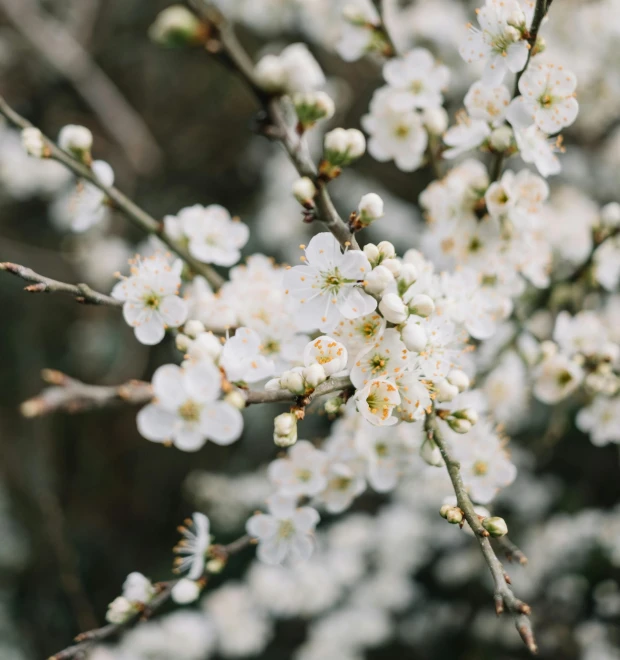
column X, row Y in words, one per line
column 417, row 80
column 466, row 135
column 193, row 547
column 344, row 484
column 213, row 236
column 498, row 41
column 242, row 360
column 535, row 147
column 556, row 377
column 357, row 33
column 302, row 472
column 283, row 532
column 186, row 411
column 376, row 401
column 33, row 142
column 150, row 297
column 327, row 287
column 607, row 263
column 486, row 103
column 395, row 134
column 138, row 589
column 547, row 97
column 601, row 419
column 185, row 591
column 387, row 357
column 75, row 139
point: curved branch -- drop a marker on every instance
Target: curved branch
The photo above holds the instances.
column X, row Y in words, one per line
column 504, row 596
column 134, row 213
column 81, row 292
column 86, row 639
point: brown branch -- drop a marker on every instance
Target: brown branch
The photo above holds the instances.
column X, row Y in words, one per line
column 86, row 639
column 60, row 50
column 134, row 213
column 81, row 292
column 282, row 396
column 227, row 49
column 512, row 552
column 71, row 395
column 504, row 596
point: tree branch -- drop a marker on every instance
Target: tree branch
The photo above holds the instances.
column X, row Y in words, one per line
column 82, row 292
column 282, row 396
column 227, row 49
column 86, row 639
column 504, row 596
column 71, row 395
column 134, row 213
column 511, row 551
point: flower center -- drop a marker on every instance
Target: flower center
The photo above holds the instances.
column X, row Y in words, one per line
column 271, row 346
column 481, row 468
column 564, row 378
column 303, row 474
column 402, row 130
column 381, row 449
column 333, row 281
column 377, row 362
column 417, row 86
column 545, row 100
column 341, row 483
column 190, row 411
column 152, row 300
column 324, row 359
column 286, row 529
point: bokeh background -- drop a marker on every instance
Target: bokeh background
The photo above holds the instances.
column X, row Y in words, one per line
column 84, row 499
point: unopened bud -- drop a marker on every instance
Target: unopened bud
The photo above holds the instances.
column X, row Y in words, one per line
column 285, row 429
column 459, row 425
column 393, row 308
column 386, row 250
column 430, row 454
column 468, row 414
column 443, row 512
column 408, row 275
column 304, row 191
column 176, row 26
column 270, row 73
column 182, row 342
column 33, row 142
column 372, row 253
column 496, row 526
column 435, row 120
column 334, row 406
column 421, row 305
column 378, row 280
column 185, row 591
column 445, row 391
column 393, row 265
column 312, row 106
column 454, row 516
column 216, row 565
column 235, row 399
column 343, row 146
column 370, row 209
column 501, row 138
column 459, row 379
column 314, row 375
column 77, row 140
column 413, row 336
column 293, row 381
column 193, row 328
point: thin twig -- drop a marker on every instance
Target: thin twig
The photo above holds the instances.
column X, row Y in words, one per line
column 71, row 395
column 134, row 213
column 504, row 596
column 392, row 51
column 282, row 396
column 60, row 50
column 227, row 49
column 86, row 639
column 82, row 292
column 512, row 551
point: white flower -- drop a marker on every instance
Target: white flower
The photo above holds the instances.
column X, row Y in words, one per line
column 393, row 308
column 242, row 360
column 285, row 429
column 137, row 588
column 355, row 334
column 327, row 352
column 487, row 103
column 175, row 26
column 468, row 134
column 33, row 142
column 214, row 237
column 301, row 473
column 344, row 145
column 312, row 106
column 357, row 34
column 387, row 357
column 283, row 532
column 314, row 375
column 75, row 139
column 151, row 303
column 485, row 467
column 193, row 547
column 186, row 411
column 413, row 335
column 270, row 73
column 378, row 280
column 395, row 134
column 302, row 72
column 601, row 419
column 499, row 41
column 304, row 190
column 415, row 398
column 370, row 208
column 583, row 333
column 417, row 79
column 556, row 377
column 344, row 484
column 548, row 96
column 120, row 610
column 328, row 286
column 535, row 147
column 607, row 263
column 185, row 591
column 377, row 400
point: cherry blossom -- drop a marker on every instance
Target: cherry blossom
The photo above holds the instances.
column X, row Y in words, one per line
column 192, row 549
column 301, row 473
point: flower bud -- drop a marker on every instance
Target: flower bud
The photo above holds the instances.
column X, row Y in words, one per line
column 501, row 138
column 445, row 391
column 496, row 526
column 33, row 142
column 421, row 305
column 370, row 209
column 314, row 375
column 215, row 565
column 304, row 191
column 205, row 346
column 343, row 146
column 285, row 429
column 435, row 120
column 413, row 336
column 459, row 379
column 467, row 413
column 386, row 250
column 408, row 275
column 312, row 106
column 183, row 342
column 176, row 26
column 610, row 215
column 454, row 516
column 372, row 253
column 273, row 385
column 77, row 140
column 393, row 308
column 120, row 610
column 443, row 512
column 334, row 405
column 357, row 143
column 235, row 399
column 459, row 425
column 293, row 381
column 393, row 265
column 548, row 349
column 270, row 73
column 185, row 591
column 430, row 454
column 193, row 328
column 378, row 280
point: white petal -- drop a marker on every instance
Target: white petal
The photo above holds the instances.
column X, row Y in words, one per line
column 173, row 311
column 189, row 439
column 202, row 381
column 357, row 303
column 305, row 519
column 222, row 423
column 168, row 386
column 155, row 423
column 150, row 332
column 261, row 526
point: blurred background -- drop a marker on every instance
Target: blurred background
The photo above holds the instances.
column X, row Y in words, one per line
column 84, row 500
